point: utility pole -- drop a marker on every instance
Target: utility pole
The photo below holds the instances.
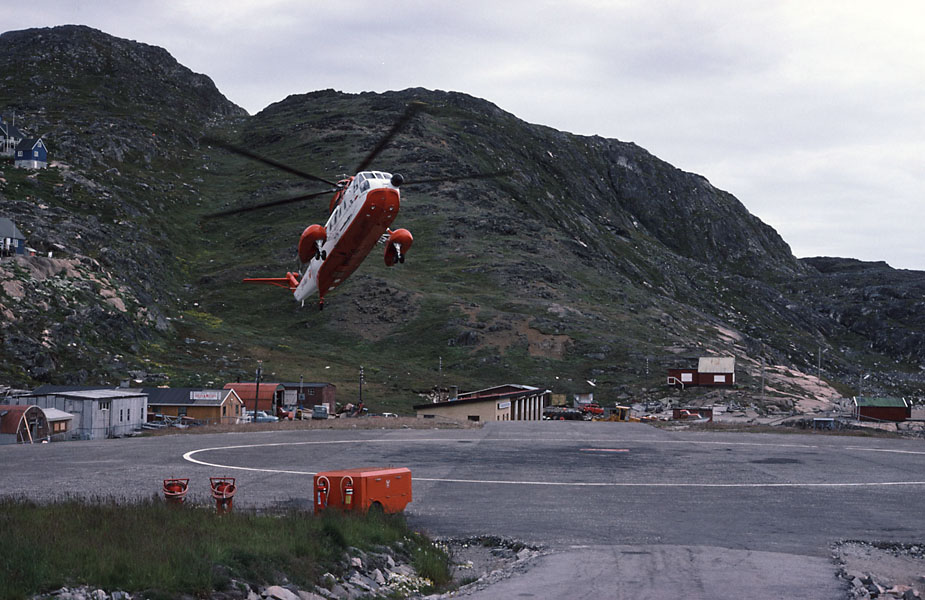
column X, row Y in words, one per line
column 300, row 392
column 762, row 379
column 361, row 385
column 819, row 361
column 257, row 390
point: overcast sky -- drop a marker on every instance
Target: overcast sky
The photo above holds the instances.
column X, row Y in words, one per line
column 811, row 112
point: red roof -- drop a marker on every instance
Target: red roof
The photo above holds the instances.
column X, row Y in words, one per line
column 246, row 391
column 9, row 423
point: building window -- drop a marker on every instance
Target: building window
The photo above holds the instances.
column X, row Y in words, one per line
column 120, row 415
column 181, row 411
column 104, row 405
column 429, row 416
column 128, row 414
column 224, row 410
column 473, row 418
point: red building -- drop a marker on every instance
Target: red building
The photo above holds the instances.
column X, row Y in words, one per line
column 710, row 371
column 882, row 409
column 308, row 395
column 271, row 395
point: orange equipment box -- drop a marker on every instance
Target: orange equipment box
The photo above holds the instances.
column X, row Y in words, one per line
column 360, row 489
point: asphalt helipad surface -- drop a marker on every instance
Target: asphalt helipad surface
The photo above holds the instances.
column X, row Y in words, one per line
column 627, row 510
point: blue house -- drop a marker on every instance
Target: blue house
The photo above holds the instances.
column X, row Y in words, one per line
column 11, row 240
column 31, row 154
column 10, row 137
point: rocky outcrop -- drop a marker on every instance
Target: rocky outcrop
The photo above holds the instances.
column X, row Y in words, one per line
column 618, row 262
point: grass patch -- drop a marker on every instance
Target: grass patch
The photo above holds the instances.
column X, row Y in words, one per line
column 164, row 550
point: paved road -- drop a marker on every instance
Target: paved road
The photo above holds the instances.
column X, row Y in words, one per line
column 629, row 511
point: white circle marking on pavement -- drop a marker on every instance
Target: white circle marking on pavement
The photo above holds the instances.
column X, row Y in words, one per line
column 189, row 457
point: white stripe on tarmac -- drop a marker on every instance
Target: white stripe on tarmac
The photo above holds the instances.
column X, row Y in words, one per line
column 189, row 457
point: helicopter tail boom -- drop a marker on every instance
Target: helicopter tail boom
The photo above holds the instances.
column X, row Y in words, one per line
column 289, row 282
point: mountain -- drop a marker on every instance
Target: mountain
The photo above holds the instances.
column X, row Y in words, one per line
column 593, row 260
column 122, row 121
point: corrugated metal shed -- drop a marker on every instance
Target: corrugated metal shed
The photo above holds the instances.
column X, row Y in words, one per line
column 22, row 424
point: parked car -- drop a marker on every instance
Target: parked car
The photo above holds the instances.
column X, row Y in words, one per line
column 320, row 411
column 265, row 417
column 388, row 414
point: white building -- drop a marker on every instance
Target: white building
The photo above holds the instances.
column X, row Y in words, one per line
column 98, row 413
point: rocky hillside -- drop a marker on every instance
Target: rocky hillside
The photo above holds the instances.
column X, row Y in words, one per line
column 592, row 260
column 121, row 120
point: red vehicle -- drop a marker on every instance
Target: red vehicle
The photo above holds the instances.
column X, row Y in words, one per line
column 592, row 409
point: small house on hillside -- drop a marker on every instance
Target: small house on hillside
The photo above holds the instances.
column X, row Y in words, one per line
column 710, row 371
column 10, row 137
column 31, row 154
column 207, row 406
column 882, row 409
column 12, row 241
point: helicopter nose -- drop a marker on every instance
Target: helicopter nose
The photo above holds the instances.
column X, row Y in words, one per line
column 397, row 180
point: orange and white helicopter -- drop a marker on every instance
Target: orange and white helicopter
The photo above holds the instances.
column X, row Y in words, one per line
column 362, row 210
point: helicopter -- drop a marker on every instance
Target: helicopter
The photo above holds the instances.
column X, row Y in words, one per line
column 361, row 209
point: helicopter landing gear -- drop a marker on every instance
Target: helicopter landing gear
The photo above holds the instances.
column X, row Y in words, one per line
column 319, row 253
column 321, row 304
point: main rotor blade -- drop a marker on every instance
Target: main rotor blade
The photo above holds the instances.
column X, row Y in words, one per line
column 280, row 202
column 458, row 178
column 412, row 110
column 263, row 159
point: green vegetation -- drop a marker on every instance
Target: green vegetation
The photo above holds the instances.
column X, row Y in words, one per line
column 163, row 550
column 592, row 260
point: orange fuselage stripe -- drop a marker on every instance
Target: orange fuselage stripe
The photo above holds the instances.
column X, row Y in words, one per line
column 378, row 211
